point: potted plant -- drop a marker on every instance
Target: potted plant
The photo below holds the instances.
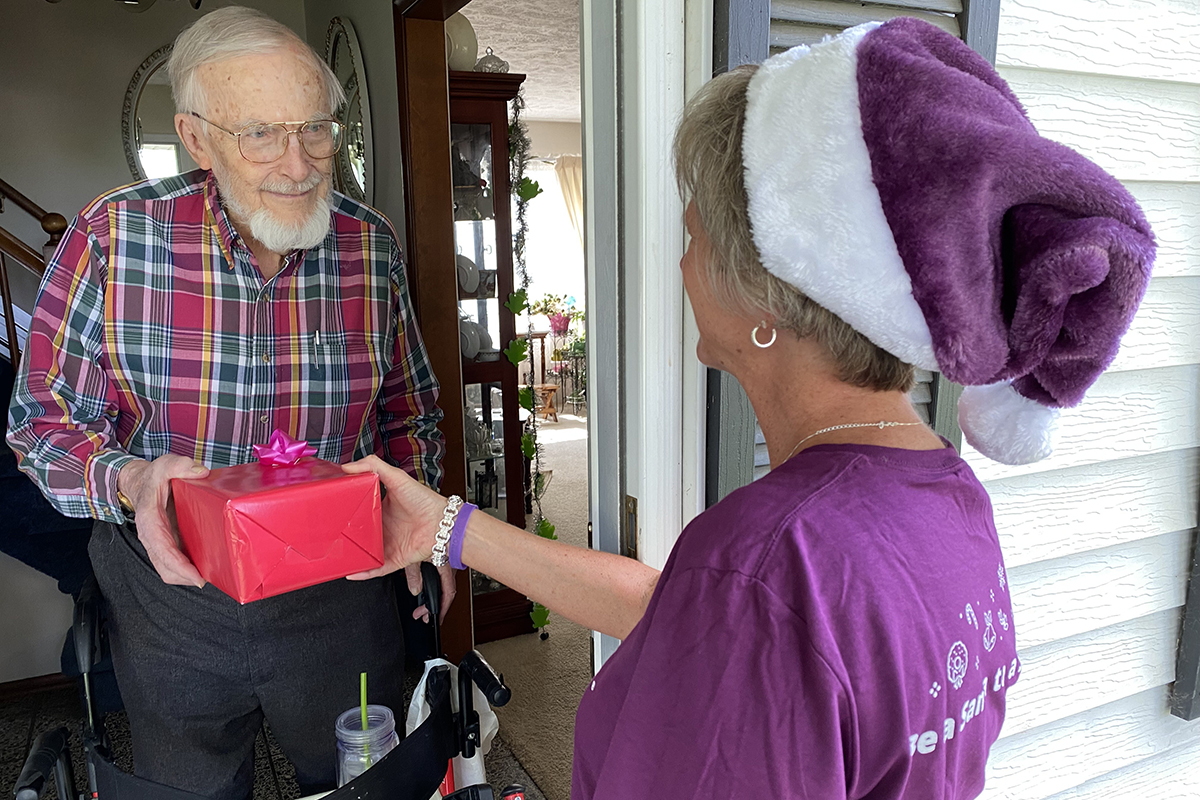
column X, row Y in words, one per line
column 559, row 309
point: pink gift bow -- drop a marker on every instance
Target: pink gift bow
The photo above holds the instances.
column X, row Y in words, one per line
column 282, row 450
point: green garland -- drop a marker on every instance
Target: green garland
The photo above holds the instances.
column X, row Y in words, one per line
column 518, row 350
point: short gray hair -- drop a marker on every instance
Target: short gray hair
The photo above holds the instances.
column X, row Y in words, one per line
column 709, row 171
column 230, row 33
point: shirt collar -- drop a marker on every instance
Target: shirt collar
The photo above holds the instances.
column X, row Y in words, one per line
column 215, row 215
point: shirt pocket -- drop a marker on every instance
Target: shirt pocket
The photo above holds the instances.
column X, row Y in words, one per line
column 345, row 369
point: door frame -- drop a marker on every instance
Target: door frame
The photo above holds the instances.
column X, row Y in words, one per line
column 423, row 89
column 646, row 397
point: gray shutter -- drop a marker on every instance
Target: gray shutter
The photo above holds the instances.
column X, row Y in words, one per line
column 796, row 22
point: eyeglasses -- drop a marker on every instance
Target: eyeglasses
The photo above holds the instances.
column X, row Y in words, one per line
column 264, row 142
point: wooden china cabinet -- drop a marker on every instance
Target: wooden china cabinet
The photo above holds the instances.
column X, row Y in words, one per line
column 492, row 417
column 454, row 147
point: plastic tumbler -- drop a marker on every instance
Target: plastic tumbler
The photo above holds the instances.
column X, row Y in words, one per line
column 357, row 749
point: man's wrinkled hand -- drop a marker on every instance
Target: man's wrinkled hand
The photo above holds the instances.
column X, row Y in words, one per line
column 147, row 484
column 412, row 575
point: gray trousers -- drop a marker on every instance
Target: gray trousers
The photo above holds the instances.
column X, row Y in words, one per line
column 199, row 672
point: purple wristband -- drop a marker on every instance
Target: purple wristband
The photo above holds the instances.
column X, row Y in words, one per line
column 458, row 534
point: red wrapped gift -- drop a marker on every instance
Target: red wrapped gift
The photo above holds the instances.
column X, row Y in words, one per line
column 282, row 523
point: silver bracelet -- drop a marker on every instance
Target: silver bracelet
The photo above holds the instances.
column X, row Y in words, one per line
column 442, row 539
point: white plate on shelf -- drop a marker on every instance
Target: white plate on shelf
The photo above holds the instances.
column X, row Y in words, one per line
column 468, row 273
column 468, row 339
column 462, row 47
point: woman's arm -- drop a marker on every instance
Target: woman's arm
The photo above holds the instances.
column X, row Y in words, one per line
column 601, row 591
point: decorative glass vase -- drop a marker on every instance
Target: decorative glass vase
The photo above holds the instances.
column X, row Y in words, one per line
column 559, row 323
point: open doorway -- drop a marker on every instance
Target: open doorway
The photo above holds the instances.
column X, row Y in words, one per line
column 549, row 670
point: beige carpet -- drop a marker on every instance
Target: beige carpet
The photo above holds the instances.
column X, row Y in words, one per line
column 548, row 677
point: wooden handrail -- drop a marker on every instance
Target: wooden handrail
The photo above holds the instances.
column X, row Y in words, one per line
column 11, row 247
column 53, row 224
column 34, row 210
column 24, row 254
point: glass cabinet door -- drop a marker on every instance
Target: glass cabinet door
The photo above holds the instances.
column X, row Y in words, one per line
column 475, row 240
column 484, row 439
column 497, row 471
column 483, row 272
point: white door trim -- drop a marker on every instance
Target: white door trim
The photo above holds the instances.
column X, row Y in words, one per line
column 698, row 58
column 639, row 63
column 653, row 67
column 606, row 479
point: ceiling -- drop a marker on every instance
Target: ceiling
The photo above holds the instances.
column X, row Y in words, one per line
column 541, row 39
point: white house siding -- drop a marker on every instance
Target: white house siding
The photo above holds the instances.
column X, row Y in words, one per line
column 795, row 22
column 1098, row 538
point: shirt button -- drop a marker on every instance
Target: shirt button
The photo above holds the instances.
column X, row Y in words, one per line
column 266, row 358
column 264, row 418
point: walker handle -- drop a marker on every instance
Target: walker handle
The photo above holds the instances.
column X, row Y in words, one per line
column 431, row 598
column 486, row 678
column 47, row 757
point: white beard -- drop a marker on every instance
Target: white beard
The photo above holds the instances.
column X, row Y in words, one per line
column 280, row 237
column 272, row 233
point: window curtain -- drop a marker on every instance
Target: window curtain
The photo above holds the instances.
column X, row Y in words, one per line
column 569, row 170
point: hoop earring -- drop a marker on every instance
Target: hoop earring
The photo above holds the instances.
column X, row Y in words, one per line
column 754, row 336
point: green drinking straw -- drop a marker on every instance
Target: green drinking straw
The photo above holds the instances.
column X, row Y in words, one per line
column 362, row 704
column 362, row 693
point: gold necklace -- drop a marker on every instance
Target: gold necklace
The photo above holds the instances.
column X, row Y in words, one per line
column 881, row 425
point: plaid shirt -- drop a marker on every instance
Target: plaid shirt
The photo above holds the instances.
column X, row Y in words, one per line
column 155, row 333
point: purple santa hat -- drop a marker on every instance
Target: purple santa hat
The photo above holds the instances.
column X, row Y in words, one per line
column 894, row 178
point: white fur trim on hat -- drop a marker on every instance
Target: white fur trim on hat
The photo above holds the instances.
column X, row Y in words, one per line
column 815, row 213
column 1006, row 426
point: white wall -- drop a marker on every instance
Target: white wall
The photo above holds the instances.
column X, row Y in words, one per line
column 64, row 69
column 553, row 251
column 551, row 139
column 372, row 23
column 1098, row 538
column 33, row 622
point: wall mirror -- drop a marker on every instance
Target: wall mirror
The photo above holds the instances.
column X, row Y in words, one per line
column 353, row 165
column 152, row 148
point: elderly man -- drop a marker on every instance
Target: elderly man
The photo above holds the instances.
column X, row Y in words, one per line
column 182, row 320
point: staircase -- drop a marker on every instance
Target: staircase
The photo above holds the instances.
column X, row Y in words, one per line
column 32, row 531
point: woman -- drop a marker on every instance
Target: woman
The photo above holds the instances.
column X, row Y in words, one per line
column 841, row 627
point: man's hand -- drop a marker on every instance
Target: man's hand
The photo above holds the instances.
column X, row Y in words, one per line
column 411, row 513
column 147, row 484
column 412, row 575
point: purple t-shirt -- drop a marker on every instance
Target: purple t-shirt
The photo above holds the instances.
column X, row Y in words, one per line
column 840, row 628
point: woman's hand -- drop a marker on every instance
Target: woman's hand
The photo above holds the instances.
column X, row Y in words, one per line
column 411, row 514
column 601, row 591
